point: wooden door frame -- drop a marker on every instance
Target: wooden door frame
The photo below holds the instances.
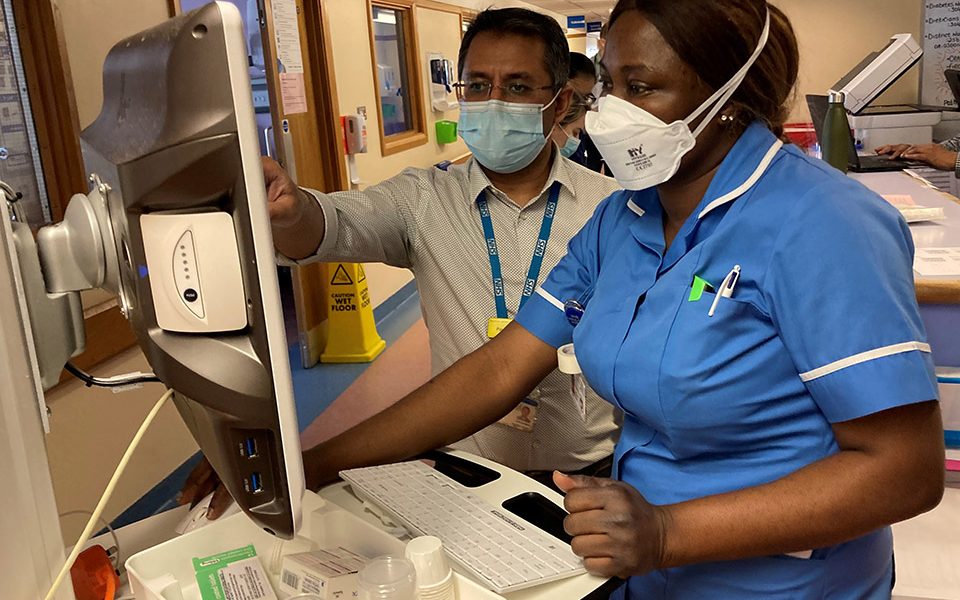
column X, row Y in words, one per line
column 327, row 100
column 50, row 89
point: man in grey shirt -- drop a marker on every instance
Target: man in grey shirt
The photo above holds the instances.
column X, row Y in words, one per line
column 514, row 65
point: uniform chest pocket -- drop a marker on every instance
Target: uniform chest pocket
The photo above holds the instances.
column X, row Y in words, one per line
column 701, row 344
column 713, row 366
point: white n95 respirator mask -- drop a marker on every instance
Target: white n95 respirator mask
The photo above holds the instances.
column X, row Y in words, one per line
column 641, row 150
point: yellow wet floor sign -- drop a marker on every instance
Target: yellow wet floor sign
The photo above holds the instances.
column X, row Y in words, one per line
column 352, row 333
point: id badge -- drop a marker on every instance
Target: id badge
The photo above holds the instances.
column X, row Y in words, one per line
column 496, row 325
column 523, row 416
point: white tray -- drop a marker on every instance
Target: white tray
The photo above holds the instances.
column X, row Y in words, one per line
column 165, row 572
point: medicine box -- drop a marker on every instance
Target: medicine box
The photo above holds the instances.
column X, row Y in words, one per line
column 330, row 574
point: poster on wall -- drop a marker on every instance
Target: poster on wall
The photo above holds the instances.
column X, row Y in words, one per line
column 293, row 93
column 941, row 50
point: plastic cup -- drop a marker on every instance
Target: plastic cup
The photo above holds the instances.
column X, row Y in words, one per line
column 428, row 558
column 434, row 576
column 388, row 578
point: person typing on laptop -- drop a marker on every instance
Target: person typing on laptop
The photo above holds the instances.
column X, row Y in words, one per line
column 944, row 156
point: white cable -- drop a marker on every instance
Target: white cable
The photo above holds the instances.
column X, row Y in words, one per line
column 113, row 534
column 88, row 530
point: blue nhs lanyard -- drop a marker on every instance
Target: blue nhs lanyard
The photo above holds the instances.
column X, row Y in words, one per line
column 538, row 251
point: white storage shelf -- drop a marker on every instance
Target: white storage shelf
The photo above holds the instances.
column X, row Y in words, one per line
column 165, row 572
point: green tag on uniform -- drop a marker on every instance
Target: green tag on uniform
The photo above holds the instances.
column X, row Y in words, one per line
column 699, row 286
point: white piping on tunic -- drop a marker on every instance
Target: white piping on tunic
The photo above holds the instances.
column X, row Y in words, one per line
column 863, row 357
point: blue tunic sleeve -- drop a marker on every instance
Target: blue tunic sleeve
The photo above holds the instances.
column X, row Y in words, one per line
column 572, row 279
column 841, row 293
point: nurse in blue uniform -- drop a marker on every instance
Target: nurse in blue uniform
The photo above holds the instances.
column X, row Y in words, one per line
column 750, row 309
column 752, row 312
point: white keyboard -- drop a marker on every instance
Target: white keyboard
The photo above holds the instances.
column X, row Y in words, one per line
column 498, row 549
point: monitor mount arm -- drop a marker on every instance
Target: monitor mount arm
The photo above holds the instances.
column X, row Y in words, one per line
column 67, row 258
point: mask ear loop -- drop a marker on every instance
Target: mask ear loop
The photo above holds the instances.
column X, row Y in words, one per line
column 555, row 96
column 547, row 105
column 725, row 92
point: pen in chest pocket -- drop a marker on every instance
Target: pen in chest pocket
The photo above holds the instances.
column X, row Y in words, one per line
column 726, row 288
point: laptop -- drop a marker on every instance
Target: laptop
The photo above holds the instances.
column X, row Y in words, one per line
column 953, row 80
column 871, row 163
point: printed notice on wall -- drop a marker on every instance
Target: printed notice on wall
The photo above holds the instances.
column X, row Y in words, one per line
column 294, row 93
column 941, row 50
column 933, row 262
column 286, row 28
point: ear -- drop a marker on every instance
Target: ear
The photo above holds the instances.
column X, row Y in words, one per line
column 562, row 105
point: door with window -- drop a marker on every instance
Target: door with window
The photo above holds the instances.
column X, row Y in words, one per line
column 393, row 46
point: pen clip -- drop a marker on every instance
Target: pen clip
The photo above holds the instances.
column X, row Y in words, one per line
column 726, row 288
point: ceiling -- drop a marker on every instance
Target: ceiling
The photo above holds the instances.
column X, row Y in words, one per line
column 593, row 10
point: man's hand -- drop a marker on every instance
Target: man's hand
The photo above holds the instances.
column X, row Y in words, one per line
column 893, row 150
column 296, row 219
column 284, row 199
column 934, row 155
column 615, row 530
column 201, row 481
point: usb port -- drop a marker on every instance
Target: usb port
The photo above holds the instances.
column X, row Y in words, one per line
column 256, row 484
column 249, row 447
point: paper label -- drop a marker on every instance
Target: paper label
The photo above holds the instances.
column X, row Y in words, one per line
column 293, row 93
column 233, row 575
column 932, row 262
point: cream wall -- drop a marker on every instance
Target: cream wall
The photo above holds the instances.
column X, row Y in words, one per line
column 478, row 5
column 437, row 32
column 577, row 43
column 91, row 28
column 836, row 36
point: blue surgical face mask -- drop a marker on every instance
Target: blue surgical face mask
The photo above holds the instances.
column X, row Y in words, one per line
column 504, row 136
column 571, row 146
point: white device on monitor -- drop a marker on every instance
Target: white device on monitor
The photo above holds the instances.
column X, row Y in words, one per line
column 177, row 226
column 878, row 71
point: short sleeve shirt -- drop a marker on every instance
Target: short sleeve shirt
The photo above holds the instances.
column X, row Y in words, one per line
column 821, row 327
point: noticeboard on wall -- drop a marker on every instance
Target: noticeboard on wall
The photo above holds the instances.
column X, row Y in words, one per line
column 941, row 50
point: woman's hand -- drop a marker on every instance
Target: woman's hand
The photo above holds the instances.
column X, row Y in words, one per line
column 934, row 155
column 615, row 530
